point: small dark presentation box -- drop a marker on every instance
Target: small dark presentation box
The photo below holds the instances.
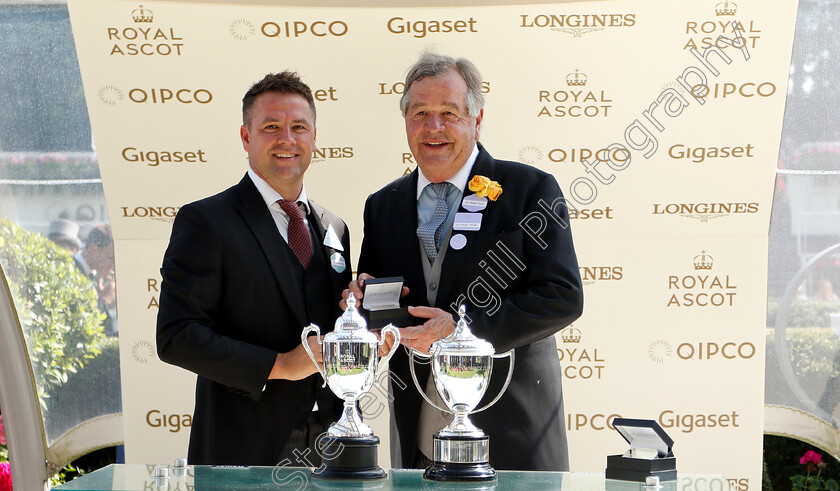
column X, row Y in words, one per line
column 381, row 304
column 650, row 453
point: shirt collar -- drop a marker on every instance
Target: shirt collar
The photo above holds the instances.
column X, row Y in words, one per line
column 459, row 180
column 270, row 195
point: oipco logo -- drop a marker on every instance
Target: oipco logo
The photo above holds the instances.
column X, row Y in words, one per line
column 661, row 350
column 112, row 95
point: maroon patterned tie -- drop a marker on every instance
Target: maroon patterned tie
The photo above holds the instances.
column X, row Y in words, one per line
column 299, row 239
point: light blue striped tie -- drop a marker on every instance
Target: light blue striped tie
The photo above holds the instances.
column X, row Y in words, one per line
column 429, row 232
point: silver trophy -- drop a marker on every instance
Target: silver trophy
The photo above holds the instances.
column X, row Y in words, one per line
column 351, row 356
column 461, row 365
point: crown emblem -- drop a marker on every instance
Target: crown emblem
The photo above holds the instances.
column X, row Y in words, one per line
column 703, row 261
column 141, row 14
column 576, row 79
column 726, row 8
column 570, row 335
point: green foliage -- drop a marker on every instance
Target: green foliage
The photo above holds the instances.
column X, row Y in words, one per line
column 803, row 313
column 812, row 351
column 56, row 305
column 781, row 457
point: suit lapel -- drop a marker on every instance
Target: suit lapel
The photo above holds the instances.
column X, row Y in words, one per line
column 454, row 261
column 258, row 218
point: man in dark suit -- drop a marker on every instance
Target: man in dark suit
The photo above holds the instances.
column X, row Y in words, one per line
column 245, row 271
column 507, row 257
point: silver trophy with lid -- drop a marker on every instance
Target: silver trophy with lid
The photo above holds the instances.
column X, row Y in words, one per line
column 350, row 356
column 461, row 365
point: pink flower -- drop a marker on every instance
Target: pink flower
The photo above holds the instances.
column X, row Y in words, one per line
column 813, row 460
column 5, row 477
column 2, row 431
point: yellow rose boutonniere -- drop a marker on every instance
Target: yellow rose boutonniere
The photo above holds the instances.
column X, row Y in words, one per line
column 483, row 186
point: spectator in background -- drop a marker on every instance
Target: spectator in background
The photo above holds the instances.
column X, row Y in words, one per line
column 96, row 261
column 65, row 234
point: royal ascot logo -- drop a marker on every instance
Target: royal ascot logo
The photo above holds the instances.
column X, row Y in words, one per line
column 142, row 351
column 142, row 38
column 422, row 28
column 154, row 158
column 111, row 95
column 157, row 213
column 570, row 334
column 594, row 274
column 704, row 211
column 153, row 287
column 242, row 29
column 575, row 100
column 578, row 362
column 702, row 289
column 577, row 24
column 703, row 34
column 698, row 155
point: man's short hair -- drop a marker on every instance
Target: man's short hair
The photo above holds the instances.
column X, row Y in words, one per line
column 432, row 65
column 100, row 235
column 287, row 82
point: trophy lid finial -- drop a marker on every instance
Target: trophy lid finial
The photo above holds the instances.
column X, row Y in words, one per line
column 351, row 319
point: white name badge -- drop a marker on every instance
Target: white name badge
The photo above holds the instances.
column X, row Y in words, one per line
column 467, row 221
column 337, row 262
column 474, row 203
column 458, row 241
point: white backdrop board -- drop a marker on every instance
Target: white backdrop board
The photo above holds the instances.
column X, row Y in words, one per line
column 661, row 121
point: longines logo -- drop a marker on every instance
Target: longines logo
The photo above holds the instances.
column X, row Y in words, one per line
column 704, row 211
column 142, row 38
column 243, row 29
column 153, row 158
column 142, row 351
column 391, row 88
column 421, row 28
column 159, row 213
column 111, row 95
column 698, row 155
column 576, row 100
column 321, row 154
column 593, row 274
column 704, row 34
column 578, row 362
column 577, row 24
column 701, row 289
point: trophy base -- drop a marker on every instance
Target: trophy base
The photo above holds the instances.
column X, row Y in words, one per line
column 350, row 458
column 460, row 459
column 454, row 472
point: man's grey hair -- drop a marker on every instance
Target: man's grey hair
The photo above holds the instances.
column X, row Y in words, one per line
column 433, row 65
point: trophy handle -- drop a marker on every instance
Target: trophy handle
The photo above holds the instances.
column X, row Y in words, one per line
column 396, row 332
column 512, row 355
column 411, row 353
column 305, row 334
